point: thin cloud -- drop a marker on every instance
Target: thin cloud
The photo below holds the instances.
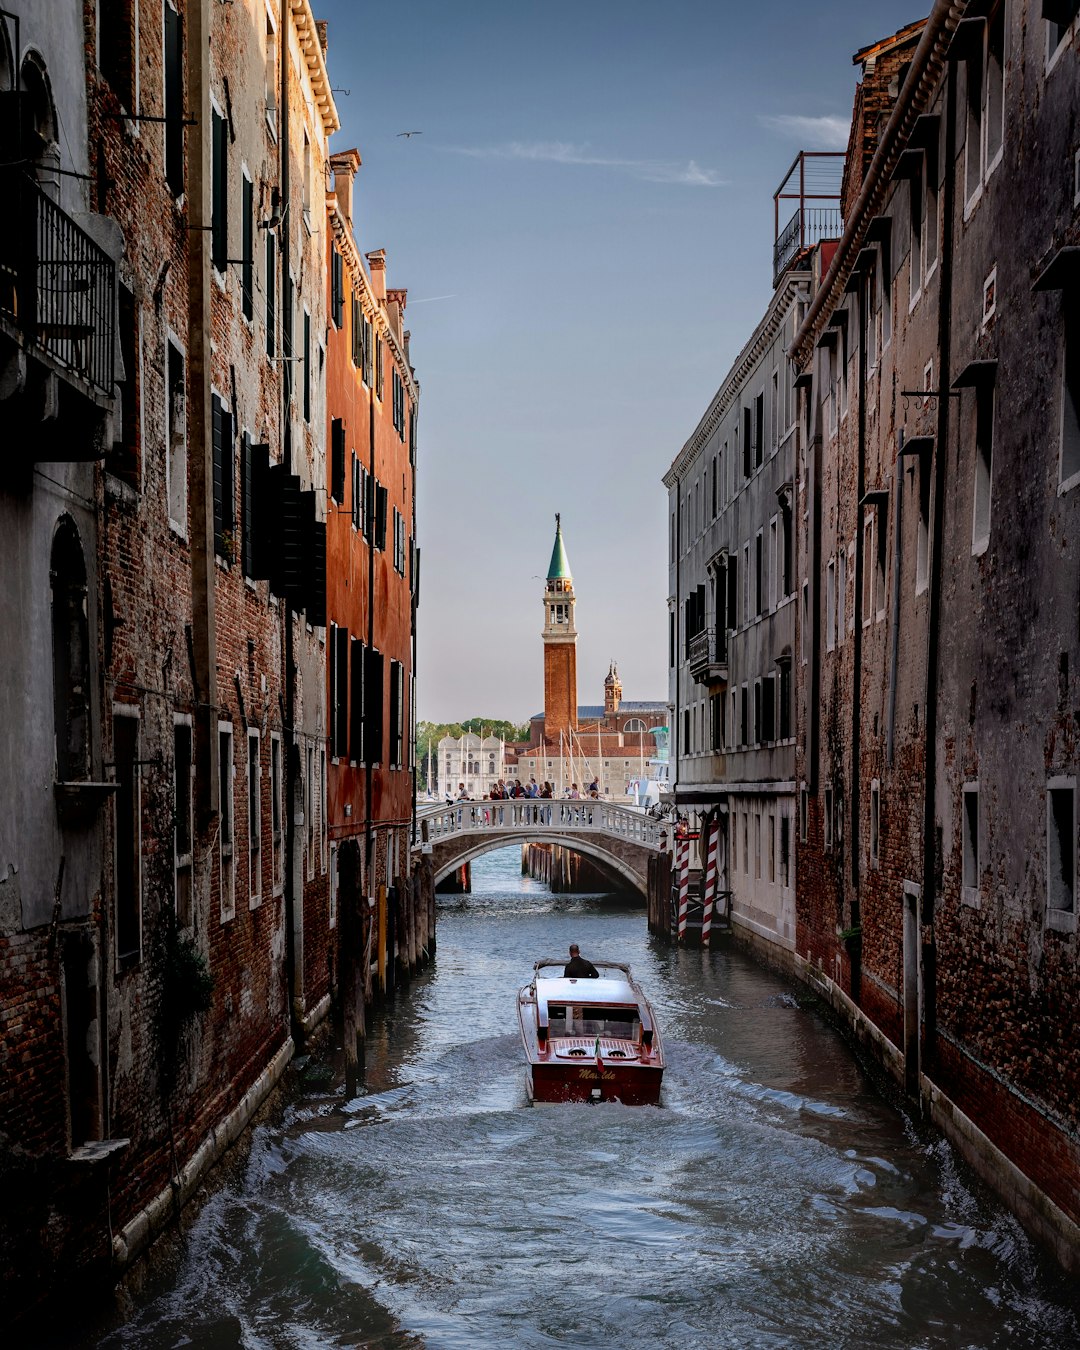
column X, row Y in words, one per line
column 829, row 133
column 430, row 299
column 688, row 174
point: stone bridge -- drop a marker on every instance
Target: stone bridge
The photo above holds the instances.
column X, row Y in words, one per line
column 622, row 838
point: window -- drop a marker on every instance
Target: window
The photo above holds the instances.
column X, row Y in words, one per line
column 227, row 874
column 1060, row 851
column 922, row 536
column 984, row 463
column 841, row 594
column 71, row 655
column 774, row 563
column 338, row 660
column 127, row 842
column 784, row 696
column 969, row 832
column 916, row 270
column 337, row 288
column 309, row 814
column 830, row 605
column 757, row 844
column 381, row 499
column 183, row 821
column 869, row 566
column 277, row 839
column 671, row 639
column 757, row 712
column 123, row 455
column 1060, row 15
column 270, row 283
column 397, row 715
column 804, row 634
column 875, row 821
column 880, row 562
column 270, row 67
column 989, row 305
column 412, row 434
column 985, row 105
column 399, row 405
column 1070, row 397
column 828, row 818
column 399, row 542
column 929, row 216
column 804, row 813
column 118, row 49
column 219, row 191
column 380, row 374
column 774, row 409
column 307, row 366
column 744, row 716
column 768, row 709
column 305, row 164
column 224, row 479
column 337, row 460
column 247, row 246
column 759, row 429
column 176, row 431
column 747, row 442
column 373, row 706
column 254, row 786
column 173, row 91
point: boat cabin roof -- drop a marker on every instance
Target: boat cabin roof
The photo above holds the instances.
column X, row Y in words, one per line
column 586, row 990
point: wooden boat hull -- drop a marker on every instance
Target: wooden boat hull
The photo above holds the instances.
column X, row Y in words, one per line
column 633, row 1085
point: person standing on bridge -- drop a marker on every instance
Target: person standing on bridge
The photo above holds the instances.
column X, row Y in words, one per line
column 577, row 967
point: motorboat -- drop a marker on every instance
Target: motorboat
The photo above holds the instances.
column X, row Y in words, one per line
column 589, row 1040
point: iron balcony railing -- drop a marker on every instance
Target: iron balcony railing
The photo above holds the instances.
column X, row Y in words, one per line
column 812, row 184
column 57, row 286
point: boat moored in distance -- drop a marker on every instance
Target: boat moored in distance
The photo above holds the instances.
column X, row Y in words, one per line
column 590, row 1039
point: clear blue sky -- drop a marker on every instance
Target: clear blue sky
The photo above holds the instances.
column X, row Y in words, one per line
column 585, row 231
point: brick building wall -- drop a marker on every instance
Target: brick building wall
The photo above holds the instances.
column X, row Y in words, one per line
column 937, row 877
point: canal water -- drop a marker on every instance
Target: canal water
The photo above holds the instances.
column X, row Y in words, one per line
column 777, row 1198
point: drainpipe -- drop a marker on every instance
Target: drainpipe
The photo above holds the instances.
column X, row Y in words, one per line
column 944, row 411
column 293, row 767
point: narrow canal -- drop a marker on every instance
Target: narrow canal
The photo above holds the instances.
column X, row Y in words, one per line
column 777, row 1198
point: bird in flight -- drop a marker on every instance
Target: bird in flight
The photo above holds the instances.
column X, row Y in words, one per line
column 410, row 133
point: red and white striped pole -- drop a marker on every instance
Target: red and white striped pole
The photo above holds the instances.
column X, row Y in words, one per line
column 684, row 885
column 710, row 881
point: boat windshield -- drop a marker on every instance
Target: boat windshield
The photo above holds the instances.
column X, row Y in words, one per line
column 576, row 1019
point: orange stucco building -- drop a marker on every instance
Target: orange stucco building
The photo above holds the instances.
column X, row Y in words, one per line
column 371, row 396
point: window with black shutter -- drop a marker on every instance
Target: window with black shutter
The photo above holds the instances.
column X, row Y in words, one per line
column 367, row 352
column 356, row 697
column 247, row 536
column 378, row 366
column 123, row 460
column 380, row 516
column 768, row 709
column 219, row 198
column 337, row 460
column 395, row 714
column 339, row 691
column 174, row 100
column 116, row 48
column 337, row 288
column 271, row 308
column 247, row 246
column 307, row 366
column 373, row 707
column 412, row 435
column 357, row 318
column 224, row 477
column 356, row 498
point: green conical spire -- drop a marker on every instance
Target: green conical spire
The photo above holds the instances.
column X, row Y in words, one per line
column 559, row 566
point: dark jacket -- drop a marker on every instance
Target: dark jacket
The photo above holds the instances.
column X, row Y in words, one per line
column 578, row 968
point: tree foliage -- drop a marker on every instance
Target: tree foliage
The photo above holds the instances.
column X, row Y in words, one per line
column 429, row 734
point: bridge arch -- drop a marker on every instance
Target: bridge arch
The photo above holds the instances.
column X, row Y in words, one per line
column 472, row 846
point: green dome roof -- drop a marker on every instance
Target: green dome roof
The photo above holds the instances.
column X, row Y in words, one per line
column 559, row 566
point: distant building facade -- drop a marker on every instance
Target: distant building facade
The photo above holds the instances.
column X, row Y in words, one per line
column 731, row 616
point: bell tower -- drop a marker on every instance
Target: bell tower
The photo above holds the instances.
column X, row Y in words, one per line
column 612, row 691
column 560, row 643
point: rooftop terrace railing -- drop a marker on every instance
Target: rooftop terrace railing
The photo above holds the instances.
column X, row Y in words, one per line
column 813, row 184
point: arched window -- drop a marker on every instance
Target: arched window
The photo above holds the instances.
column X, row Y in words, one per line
column 39, row 130
column 71, row 655
column 634, row 724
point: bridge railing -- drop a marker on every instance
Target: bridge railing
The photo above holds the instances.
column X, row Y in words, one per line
column 538, row 816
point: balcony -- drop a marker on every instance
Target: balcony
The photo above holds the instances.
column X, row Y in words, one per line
column 57, row 290
column 708, row 657
column 812, row 184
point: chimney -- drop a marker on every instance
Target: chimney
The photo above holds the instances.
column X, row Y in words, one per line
column 395, row 303
column 343, row 165
column 377, row 263
column 320, row 28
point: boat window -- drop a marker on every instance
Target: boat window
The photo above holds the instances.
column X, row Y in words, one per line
column 590, row 1020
